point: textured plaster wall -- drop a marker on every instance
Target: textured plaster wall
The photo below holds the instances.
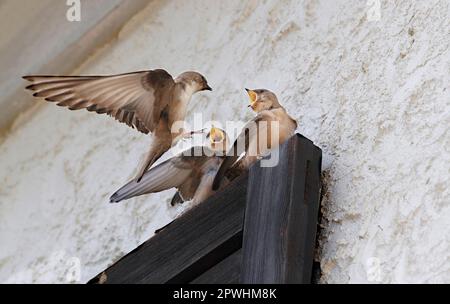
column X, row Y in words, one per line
column 373, row 94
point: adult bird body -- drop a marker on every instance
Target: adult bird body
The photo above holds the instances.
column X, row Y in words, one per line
column 271, row 126
column 149, row 101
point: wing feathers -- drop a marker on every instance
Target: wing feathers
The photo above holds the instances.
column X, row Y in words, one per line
column 167, row 175
column 136, row 99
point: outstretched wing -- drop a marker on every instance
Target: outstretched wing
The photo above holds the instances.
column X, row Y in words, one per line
column 176, row 172
column 169, row 174
column 136, row 99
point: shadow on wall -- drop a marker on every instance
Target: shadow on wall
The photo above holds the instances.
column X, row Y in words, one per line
column 321, row 224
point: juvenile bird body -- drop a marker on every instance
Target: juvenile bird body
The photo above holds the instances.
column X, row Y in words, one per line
column 258, row 136
column 149, row 101
column 191, row 173
column 285, row 128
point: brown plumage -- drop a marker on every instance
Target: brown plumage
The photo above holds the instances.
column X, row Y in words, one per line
column 150, row 101
column 191, row 173
column 255, row 139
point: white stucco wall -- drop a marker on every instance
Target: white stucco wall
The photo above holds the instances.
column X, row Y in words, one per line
column 374, row 95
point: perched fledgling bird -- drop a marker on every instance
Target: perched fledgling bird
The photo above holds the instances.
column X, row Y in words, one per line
column 191, row 173
column 265, row 104
column 150, row 101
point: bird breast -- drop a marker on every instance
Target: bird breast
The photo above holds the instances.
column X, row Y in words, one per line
column 287, row 124
column 178, row 107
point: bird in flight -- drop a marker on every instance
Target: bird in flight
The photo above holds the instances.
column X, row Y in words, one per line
column 149, row 101
column 191, row 172
column 257, row 137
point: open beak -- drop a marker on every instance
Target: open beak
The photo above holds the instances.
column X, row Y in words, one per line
column 216, row 135
column 253, row 96
column 207, row 88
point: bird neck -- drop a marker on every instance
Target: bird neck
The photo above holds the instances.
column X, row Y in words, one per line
column 180, row 100
column 220, row 149
column 273, row 107
column 283, row 115
column 276, row 106
column 185, row 88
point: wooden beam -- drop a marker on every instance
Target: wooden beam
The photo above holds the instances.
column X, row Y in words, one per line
column 281, row 216
column 215, row 243
column 226, row 272
column 188, row 247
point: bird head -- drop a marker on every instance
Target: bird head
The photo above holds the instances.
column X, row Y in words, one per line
column 195, row 81
column 262, row 99
column 218, row 139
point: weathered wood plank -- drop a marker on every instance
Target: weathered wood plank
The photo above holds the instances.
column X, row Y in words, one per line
column 191, row 245
column 226, row 272
column 281, row 216
column 209, row 260
column 204, row 245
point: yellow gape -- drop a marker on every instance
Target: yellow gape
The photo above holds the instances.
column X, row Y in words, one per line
column 252, row 96
column 216, row 135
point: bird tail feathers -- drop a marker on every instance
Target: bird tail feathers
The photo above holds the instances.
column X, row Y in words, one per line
column 128, row 191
